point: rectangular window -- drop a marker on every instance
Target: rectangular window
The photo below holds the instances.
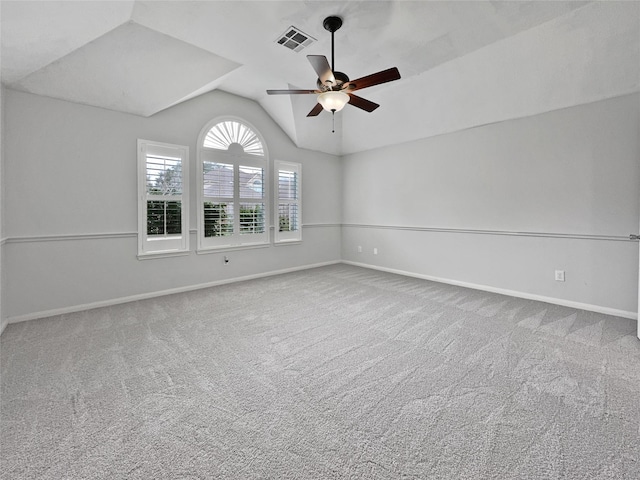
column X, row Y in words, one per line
column 288, row 207
column 251, row 189
column 217, row 190
column 163, row 198
column 233, row 201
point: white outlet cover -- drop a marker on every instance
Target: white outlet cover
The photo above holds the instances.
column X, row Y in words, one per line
column 560, row 275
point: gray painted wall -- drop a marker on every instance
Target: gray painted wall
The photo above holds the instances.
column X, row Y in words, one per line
column 3, row 319
column 71, row 211
column 572, row 172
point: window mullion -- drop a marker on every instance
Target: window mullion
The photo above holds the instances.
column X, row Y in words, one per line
column 160, row 198
column 236, row 201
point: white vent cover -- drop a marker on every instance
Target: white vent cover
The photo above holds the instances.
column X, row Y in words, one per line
column 295, row 39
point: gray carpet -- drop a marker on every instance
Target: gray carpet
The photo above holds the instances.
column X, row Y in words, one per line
column 336, row 372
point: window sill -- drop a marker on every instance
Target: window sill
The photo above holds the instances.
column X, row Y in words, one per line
column 228, row 248
column 283, row 243
column 153, row 255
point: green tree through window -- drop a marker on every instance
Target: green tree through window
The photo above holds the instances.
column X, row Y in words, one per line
column 218, row 220
column 164, row 217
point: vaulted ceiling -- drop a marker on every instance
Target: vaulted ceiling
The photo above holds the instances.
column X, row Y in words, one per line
column 463, row 64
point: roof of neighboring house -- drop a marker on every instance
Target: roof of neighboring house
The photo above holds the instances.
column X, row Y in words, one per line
column 218, row 183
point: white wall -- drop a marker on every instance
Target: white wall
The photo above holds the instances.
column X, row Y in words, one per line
column 572, row 172
column 3, row 321
column 71, row 211
column 443, row 207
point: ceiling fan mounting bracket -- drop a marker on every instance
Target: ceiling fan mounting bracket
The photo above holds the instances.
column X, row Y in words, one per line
column 332, row 24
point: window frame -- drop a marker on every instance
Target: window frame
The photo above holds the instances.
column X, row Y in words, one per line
column 236, row 157
column 281, row 238
column 167, row 245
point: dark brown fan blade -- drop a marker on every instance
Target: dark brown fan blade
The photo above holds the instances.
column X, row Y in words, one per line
column 362, row 103
column 384, row 76
column 321, row 65
column 290, row 92
column 315, row 111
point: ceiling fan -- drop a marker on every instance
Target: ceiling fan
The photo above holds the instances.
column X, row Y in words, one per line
column 335, row 89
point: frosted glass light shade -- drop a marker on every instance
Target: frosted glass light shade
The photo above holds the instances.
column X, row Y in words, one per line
column 333, row 101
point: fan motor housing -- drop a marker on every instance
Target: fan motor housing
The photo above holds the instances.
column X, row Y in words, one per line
column 341, row 79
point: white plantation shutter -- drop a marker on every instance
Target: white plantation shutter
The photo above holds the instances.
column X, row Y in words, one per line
column 232, row 184
column 224, row 134
column 163, row 198
column 288, row 203
column 251, row 197
column 218, row 188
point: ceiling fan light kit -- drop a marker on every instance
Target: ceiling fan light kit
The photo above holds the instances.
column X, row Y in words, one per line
column 334, row 88
column 333, row 101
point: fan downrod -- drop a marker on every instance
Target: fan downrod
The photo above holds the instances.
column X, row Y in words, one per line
column 332, row 24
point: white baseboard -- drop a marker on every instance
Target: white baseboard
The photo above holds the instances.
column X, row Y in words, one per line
column 486, row 288
column 512, row 293
column 144, row 296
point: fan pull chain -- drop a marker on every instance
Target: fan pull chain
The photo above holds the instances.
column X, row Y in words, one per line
column 333, row 121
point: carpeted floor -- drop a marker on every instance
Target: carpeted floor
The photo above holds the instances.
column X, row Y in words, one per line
column 336, row 372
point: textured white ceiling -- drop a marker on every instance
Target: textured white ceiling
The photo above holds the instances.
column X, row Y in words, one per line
column 108, row 72
column 462, row 63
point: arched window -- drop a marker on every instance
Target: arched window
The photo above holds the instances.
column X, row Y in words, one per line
column 232, row 182
column 230, row 133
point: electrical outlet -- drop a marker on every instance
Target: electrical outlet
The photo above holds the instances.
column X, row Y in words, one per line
column 359, row 248
column 375, row 251
column 559, row 275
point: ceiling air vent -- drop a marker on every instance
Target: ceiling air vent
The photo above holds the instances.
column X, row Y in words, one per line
column 294, row 39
